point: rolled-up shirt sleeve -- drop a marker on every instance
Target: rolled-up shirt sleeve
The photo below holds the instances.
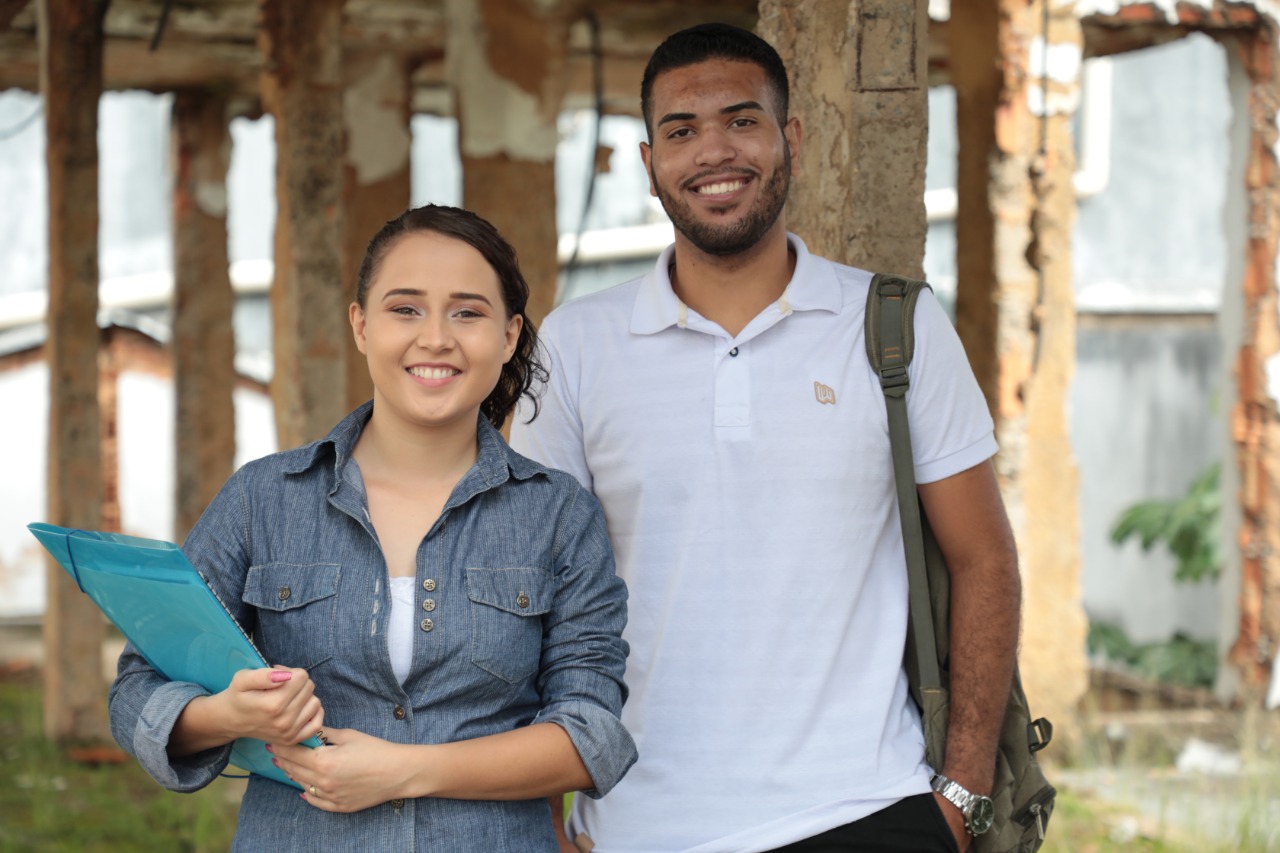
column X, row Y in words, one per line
column 584, row 656
column 143, row 706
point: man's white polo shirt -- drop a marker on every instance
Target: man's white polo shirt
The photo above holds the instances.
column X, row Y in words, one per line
column 748, row 488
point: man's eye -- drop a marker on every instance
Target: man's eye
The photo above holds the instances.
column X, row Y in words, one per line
column 679, row 133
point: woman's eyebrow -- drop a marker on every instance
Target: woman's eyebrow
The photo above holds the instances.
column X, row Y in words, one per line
column 479, row 297
column 401, row 291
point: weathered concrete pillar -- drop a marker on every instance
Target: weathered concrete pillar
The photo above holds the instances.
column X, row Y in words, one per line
column 302, row 87
column 377, row 182
column 506, row 61
column 1015, row 308
column 71, row 47
column 203, row 345
column 859, row 84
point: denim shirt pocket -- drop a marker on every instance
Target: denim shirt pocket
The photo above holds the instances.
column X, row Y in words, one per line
column 297, row 611
column 506, row 625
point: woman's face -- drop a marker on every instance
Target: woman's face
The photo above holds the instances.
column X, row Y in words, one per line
column 435, row 331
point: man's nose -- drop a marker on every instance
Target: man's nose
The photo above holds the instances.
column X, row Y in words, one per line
column 715, row 147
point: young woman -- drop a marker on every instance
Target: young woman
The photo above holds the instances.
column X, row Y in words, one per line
column 442, row 609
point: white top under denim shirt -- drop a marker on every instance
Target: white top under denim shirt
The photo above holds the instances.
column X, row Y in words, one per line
column 525, row 626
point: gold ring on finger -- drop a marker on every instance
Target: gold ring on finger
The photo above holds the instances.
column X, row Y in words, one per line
column 314, row 793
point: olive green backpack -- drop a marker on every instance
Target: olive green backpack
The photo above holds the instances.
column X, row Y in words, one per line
column 1022, row 797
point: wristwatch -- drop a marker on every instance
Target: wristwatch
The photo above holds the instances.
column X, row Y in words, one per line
column 978, row 810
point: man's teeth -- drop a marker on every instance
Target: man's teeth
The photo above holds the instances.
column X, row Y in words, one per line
column 722, row 187
column 432, row 372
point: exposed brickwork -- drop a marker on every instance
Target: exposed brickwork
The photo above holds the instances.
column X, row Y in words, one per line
column 1015, row 312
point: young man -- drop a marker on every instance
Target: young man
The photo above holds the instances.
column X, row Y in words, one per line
column 723, row 410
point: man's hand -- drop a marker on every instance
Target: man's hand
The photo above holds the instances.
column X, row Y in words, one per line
column 955, row 820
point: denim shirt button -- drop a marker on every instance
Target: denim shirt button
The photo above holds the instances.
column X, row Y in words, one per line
column 398, row 713
column 284, row 593
column 397, row 803
column 522, row 600
column 429, row 604
column 429, row 585
column 427, row 624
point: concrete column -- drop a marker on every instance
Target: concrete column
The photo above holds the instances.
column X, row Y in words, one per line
column 506, row 63
column 859, row 84
column 1015, row 307
column 377, row 182
column 203, row 345
column 71, row 47
column 302, row 86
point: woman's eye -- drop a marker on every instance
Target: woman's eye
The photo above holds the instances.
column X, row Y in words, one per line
column 405, row 310
column 467, row 313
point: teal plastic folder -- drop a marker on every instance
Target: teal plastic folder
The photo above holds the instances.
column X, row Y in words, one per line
column 158, row 600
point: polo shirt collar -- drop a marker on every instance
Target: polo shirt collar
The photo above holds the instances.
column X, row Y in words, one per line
column 813, row 287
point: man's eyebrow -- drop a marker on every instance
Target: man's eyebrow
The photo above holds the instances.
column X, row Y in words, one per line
column 729, row 110
column 676, row 117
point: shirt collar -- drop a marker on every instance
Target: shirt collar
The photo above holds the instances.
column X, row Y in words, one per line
column 813, row 287
column 495, row 462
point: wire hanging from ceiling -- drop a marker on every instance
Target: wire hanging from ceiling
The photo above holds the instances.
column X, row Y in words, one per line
column 597, row 74
column 10, row 132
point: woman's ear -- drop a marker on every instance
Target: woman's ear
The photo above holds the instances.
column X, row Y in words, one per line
column 356, row 314
column 514, row 325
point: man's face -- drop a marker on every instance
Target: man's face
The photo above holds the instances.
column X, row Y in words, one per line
column 719, row 162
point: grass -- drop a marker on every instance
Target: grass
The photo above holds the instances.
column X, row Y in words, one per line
column 49, row 802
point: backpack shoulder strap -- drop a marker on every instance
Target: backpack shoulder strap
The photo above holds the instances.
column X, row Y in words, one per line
column 890, row 337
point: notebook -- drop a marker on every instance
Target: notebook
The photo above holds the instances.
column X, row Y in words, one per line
column 162, row 605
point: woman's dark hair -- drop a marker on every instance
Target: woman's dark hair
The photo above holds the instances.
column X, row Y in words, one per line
column 524, row 368
column 715, row 41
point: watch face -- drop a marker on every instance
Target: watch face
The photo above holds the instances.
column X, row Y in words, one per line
column 981, row 816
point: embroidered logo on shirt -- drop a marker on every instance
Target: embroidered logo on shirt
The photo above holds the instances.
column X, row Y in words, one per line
column 823, row 394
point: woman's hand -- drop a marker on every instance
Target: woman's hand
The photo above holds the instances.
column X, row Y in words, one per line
column 277, row 705
column 354, row 771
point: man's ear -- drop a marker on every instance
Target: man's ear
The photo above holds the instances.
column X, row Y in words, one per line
column 792, row 132
column 356, row 314
column 646, row 154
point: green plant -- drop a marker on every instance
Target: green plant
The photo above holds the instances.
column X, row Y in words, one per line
column 1188, row 526
column 1180, row 660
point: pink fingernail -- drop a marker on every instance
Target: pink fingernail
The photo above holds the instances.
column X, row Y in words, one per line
column 280, row 675
column 269, row 749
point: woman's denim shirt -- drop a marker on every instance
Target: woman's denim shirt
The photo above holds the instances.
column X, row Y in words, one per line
column 521, row 616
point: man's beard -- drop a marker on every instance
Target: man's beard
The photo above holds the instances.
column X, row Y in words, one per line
column 736, row 237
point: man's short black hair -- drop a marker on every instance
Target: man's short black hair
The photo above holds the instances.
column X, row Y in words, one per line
column 715, row 41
